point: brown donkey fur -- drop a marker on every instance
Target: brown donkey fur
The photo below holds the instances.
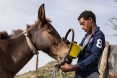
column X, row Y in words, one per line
column 15, row 52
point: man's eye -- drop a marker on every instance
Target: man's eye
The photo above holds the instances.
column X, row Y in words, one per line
column 82, row 24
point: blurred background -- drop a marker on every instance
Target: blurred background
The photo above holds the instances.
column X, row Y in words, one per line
column 16, row 14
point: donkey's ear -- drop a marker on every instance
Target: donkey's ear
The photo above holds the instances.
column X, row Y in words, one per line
column 41, row 13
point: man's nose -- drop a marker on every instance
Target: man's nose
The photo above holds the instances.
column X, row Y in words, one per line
column 82, row 27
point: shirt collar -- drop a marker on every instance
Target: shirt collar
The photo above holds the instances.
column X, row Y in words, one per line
column 97, row 29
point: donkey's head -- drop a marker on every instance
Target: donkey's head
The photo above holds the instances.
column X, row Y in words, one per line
column 46, row 38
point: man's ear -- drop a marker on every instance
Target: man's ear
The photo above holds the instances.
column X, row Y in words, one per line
column 91, row 20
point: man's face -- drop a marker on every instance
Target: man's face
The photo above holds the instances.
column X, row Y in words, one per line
column 86, row 25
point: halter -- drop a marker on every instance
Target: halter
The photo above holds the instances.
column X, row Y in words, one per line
column 33, row 48
column 57, row 66
column 73, row 52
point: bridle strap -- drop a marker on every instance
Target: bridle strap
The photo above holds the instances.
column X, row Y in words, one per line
column 35, row 51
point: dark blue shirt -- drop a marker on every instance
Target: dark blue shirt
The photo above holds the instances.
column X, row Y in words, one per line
column 89, row 57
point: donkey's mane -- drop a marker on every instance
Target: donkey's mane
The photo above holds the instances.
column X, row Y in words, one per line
column 19, row 31
column 16, row 32
column 5, row 35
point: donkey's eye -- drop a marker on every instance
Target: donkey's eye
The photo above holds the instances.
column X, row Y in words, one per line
column 51, row 32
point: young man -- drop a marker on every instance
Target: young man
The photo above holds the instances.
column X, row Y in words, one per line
column 93, row 44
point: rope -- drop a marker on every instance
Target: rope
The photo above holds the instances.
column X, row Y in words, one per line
column 30, row 43
column 35, row 51
column 36, row 66
column 55, row 70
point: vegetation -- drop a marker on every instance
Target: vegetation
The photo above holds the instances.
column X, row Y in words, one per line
column 46, row 72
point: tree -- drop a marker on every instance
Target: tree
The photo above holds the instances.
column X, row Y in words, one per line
column 113, row 21
column 115, row 0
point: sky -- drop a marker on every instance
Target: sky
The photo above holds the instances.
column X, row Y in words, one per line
column 16, row 14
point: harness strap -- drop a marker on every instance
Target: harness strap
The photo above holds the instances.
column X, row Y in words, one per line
column 35, row 51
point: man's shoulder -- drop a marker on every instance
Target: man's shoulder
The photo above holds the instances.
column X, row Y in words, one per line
column 99, row 33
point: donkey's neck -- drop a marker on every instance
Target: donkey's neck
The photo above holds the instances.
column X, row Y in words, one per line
column 21, row 52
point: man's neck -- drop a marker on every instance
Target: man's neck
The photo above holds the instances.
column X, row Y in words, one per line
column 93, row 28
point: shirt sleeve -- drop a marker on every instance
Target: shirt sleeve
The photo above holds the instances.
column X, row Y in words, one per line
column 96, row 51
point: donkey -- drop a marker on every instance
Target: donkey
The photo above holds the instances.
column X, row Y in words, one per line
column 15, row 51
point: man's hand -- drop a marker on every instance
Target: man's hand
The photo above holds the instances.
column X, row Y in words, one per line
column 68, row 67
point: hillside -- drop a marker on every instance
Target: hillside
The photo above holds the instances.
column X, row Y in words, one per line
column 45, row 72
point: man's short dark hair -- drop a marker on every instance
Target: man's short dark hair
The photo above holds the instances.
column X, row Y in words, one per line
column 86, row 15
